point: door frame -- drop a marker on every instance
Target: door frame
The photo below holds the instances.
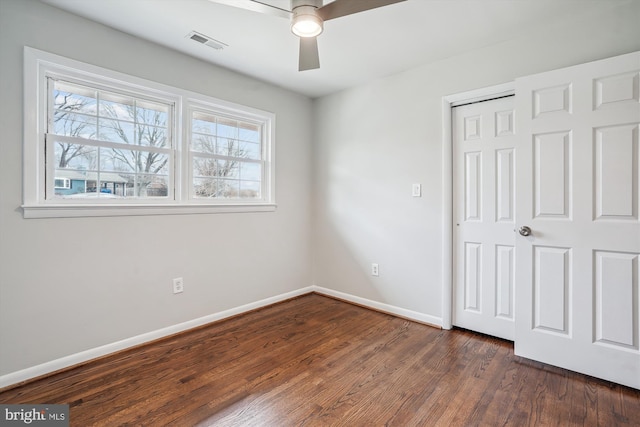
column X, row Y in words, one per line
column 448, row 102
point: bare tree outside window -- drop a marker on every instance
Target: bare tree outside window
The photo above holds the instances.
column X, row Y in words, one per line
column 140, row 127
column 226, row 155
column 68, row 122
column 225, row 170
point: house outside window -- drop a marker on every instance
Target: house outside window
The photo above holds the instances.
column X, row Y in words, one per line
column 101, row 143
column 62, row 183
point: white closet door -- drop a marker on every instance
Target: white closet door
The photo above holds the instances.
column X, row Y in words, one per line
column 578, row 189
column 484, row 203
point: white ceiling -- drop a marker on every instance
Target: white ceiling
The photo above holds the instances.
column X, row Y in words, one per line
column 353, row 49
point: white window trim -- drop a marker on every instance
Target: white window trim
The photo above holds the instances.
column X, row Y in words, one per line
column 38, row 64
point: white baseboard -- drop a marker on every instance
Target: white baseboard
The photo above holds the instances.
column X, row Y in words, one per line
column 84, row 356
column 379, row 306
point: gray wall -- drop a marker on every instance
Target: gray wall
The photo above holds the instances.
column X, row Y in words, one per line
column 372, row 142
column 68, row 285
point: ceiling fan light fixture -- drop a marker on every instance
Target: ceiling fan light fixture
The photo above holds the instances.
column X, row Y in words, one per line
column 305, row 22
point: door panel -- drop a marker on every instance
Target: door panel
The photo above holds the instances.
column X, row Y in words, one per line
column 552, row 179
column 484, row 214
column 552, row 286
column 577, row 297
column 505, row 280
column 505, row 185
column 616, row 187
column 615, row 291
column 473, row 186
column 472, row 277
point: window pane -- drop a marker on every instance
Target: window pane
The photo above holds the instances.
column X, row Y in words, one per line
column 117, row 131
column 108, row 184
column 116, row 106
column 227, row 128
column 121, row 173
column 250, row 171
column 228, row 169
column 249, row 132
column 249, row 190
column 151, row 113
column 228, row 147
column 206, row 167
column 203, row 123
column 216, row 188
column 227, row 142
column 75, row 180
column 205, row 187
column 225, row 137
column 75, row 156
column 112, row 159
column 221, row 178
column 250, row 150
column 71, row 98
column 152, row 136
column 223, row 188
column 158, row 186
column 156, row 163
column 74, row 124
column 147, row 185
column 228, row 188
column 109, row 116
column 203, row 143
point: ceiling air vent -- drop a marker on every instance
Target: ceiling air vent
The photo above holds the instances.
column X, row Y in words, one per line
column 201, row 38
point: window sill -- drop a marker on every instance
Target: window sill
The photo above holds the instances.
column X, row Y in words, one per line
column 89, row 210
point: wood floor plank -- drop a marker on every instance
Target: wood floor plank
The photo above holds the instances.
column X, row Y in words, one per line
column 316, row 361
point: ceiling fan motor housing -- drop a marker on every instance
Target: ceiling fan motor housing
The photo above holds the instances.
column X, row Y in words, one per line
column 298, row 3
column 305, row 21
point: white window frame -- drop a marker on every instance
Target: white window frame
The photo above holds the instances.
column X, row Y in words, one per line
column 203, row 106
column 39, row 65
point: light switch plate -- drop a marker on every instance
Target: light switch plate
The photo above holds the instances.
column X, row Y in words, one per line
column 416, row 190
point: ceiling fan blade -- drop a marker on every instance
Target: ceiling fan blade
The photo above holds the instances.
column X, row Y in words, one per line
column 256, row 6
column 340, row 8
column 309, row 58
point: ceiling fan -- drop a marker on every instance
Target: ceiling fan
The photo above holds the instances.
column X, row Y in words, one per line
column 307, row 19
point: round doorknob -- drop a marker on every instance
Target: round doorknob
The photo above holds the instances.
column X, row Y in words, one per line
column 524, row 231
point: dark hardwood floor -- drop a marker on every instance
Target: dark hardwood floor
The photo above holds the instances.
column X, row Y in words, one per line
column 315, row 361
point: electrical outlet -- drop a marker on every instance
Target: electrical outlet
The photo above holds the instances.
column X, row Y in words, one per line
column 374, row 269
column 178, row 285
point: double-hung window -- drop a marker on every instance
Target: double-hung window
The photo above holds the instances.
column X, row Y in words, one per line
column 111, row 145
column 226, row 155
column 97, row 143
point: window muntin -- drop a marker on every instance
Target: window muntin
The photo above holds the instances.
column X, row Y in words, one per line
column 226, row 157
column 110, row 145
